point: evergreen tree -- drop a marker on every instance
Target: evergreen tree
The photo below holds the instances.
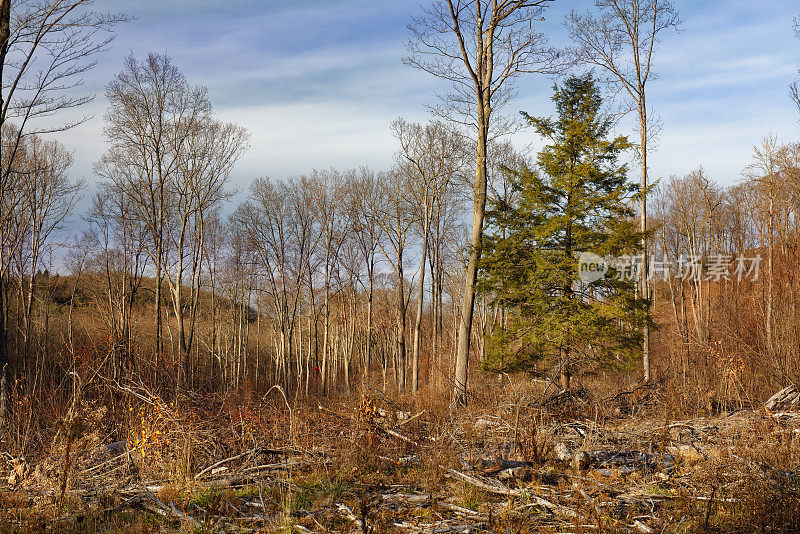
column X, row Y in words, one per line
column 576, row 201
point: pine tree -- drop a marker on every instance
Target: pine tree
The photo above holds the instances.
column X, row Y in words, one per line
column 577, row 200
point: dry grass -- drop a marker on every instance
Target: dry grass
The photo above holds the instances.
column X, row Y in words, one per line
column 742, row 476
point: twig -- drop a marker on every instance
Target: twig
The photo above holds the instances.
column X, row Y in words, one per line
column 399, row 436
column 591, row 502
column 171, row 510
column 226, row 460
column 710, row 504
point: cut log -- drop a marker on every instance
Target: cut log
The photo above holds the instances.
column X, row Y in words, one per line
column 438, row 528
column 411, row 499
column 786, row 400
column 519, row 473
column 562, row 453
column 399, row 436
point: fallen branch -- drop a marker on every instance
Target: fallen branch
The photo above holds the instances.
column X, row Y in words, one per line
column 590, row 501
column 400, row 436
column 251, row 452
column 348, row 513
column 459, row 510
column 502, row 490
column 436, row 528
column 411, row 418
column 171, row 510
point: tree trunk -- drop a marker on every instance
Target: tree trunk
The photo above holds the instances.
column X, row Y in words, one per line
column 258, row 343
column 28, row 308
column 368, row 356
column 420, row 302
column 177, row 302
column 5, row 31
column 643, row 222
column 770, row 267
column 401, row 327
column 158, row 348
column 468, row 302
column 566, row 371
column 4, row 362
column 326, row 334
column 213, row 349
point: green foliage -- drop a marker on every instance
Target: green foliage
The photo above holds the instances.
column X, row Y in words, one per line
column 577, row 200
column 209, row 497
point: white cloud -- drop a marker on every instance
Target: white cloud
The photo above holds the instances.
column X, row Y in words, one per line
column 318, row 83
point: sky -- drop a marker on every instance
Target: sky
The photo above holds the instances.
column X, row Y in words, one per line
column 317, row 82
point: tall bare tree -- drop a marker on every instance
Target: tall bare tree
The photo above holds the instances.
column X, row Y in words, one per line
column 154, row 115
column 481, row 47
column 621, row 39
column 45, row 48
column 278, row 223
column 48, row 196
column 122, row 260
column 431, row 156
column 197, row 191
column 329, row 209
column 362, row 197
column 395, row 221
column 763, row 173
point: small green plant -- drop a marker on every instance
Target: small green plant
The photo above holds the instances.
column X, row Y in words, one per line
column 302, row 499
column 471, row 498
column 209, row 497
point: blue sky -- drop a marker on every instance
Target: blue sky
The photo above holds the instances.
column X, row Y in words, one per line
column 318, row 82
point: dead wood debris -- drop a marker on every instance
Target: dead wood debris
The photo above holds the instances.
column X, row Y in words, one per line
column 589, row 474
column 786, row 400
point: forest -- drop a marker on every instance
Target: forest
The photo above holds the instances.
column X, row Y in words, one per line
column 484, row 336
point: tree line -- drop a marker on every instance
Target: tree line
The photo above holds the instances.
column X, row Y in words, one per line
column 316, row 265
column 318, row 281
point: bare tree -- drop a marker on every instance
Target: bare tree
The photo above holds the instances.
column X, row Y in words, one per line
column 13, row 226
column 154, row 114
column 362, row 201
column 481, row 47
column 45, row 48
column 763, row 173
column 329, row 209
column 431, row 156
column 279, row 226
column 48, row 196
column 197, row 191
column 122, row 260
column 395, row 222
column 621, row 39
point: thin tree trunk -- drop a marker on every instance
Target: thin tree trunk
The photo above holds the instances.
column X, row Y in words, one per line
column 471, row 276
column 158, row 347
column 643, row 222
column 401, row 326
column 420, row 301
column 326, row 333
column 4, row 362
column 770, row 267
column 368, row 356
column 5, row 32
